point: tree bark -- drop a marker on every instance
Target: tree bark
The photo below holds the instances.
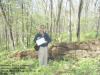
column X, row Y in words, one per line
column 58, row 17
column 22, row 23
column 8, row 24
column 51, row 17
column 98, row 25
column 79, row 16
column 69, row 25
column 27, row 29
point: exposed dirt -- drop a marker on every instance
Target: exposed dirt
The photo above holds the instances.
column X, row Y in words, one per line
column 88, row 48
column 24, row 54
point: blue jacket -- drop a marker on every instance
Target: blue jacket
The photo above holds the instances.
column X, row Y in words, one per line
column 46, row 37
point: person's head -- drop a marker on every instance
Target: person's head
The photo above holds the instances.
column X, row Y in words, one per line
column 42, row 28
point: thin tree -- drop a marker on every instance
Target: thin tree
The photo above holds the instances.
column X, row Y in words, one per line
column 22, row 22
column 79, row 16
column 7, row 24
column 69, row 25
column 98, row 25
column 51, row 17
column 58, row 16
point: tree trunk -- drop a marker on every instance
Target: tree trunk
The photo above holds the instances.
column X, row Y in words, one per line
column 27, row 29
column 21, row 42
column 51, row 17
column 7, row 24
column 30, row 29
column 98, row 25
column 58, row 17
column 79, row 16
column 22, row 23
column 69, row 26
column 97, row 28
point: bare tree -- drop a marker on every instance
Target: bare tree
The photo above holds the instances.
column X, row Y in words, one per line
column 69, row 25
column 98, row 24
column 79, row 16
column 51, row 17
column 22, row 21
column 8, row 24
column 58, row 16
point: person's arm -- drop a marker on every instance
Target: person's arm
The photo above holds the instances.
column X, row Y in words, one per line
column 48, row 38
column 35, row 38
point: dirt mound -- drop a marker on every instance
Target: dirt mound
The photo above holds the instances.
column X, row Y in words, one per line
column 87, row 48
column 24, row 54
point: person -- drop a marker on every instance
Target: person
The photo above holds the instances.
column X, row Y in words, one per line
column 43, row 51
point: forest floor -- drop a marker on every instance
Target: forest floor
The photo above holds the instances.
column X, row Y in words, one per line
column 76, row 58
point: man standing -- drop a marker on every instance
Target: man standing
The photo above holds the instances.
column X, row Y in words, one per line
column 43, row 51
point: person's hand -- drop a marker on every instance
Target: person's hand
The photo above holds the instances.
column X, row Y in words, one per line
column 45, row 42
